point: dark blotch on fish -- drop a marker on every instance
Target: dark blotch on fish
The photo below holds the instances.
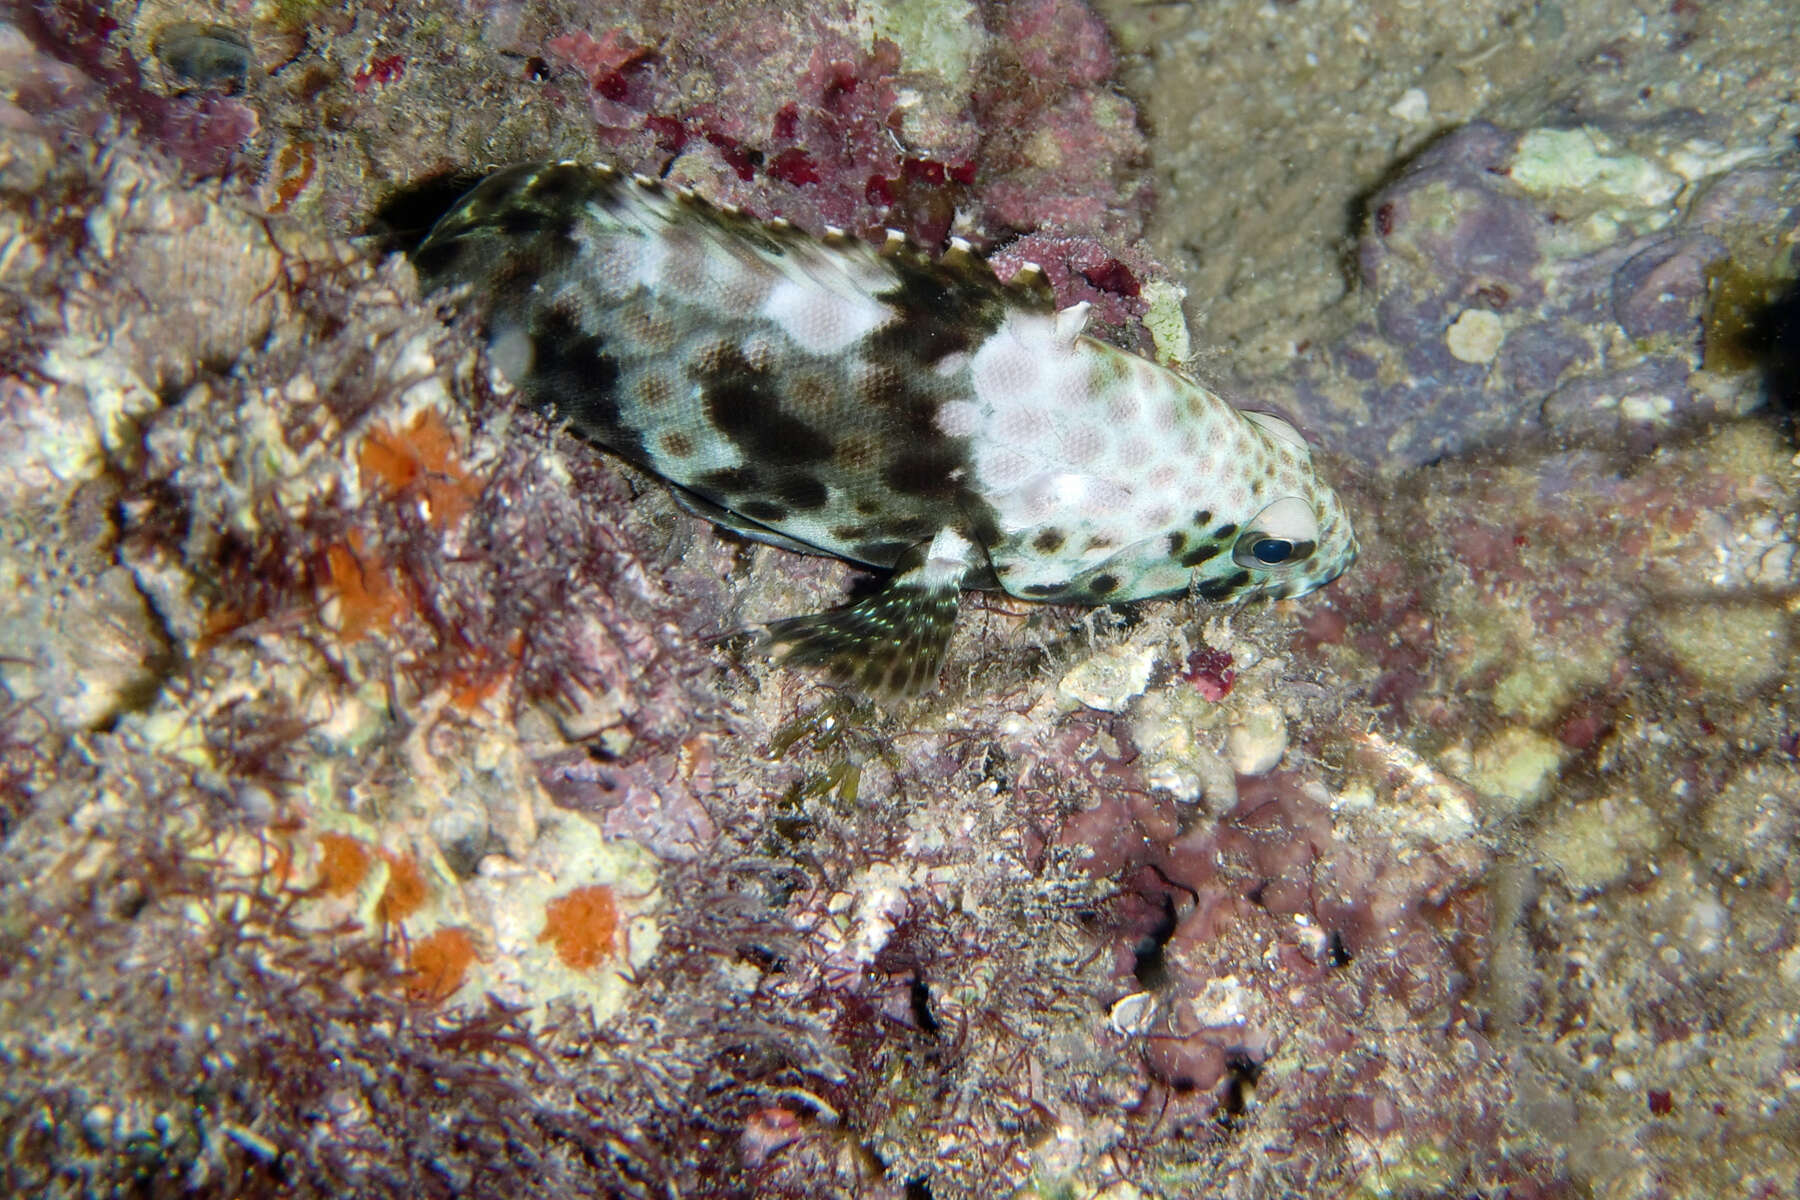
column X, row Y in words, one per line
column 1224, row 589
column 744, row 403
column 1199, row 554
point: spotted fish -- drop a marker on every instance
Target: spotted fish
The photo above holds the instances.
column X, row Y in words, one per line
column 832, row 397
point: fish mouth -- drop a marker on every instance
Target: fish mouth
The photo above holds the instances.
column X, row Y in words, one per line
column 1288, row 589
column 1345, row 561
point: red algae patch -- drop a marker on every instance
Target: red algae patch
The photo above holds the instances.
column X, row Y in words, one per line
column 291, row 171
column 367, row 598
column 405, row 893
column 421, row 459
column 437, row 965
column 473, row 684
column 343, row 864
column 582, row 925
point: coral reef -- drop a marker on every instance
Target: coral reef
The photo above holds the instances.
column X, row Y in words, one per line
column 986, row 121
column 1604, row 713
column 388, row 808
column 1549, row 280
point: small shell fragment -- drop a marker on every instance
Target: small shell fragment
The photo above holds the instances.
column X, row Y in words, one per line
column 1257, row 741
column 1133, row 1015
column 206, row 56
column 1475, row 336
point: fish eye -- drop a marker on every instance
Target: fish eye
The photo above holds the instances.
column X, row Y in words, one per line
column 1284, row 533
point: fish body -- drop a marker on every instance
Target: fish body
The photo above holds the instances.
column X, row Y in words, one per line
column 833, row 397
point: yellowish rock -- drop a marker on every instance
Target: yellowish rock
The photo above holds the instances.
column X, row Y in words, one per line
column 1475, row 336
column 1597, row 843
column 1728, row 648
column 1515, row 768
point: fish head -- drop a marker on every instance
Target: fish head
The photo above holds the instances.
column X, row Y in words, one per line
column 1292, row 533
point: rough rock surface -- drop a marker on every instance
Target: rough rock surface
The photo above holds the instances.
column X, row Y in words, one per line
column 384, row 809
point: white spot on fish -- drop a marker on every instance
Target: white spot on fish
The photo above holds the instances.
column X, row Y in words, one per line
column 822, row 321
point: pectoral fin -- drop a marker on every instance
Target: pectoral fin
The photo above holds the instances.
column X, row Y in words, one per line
column 893, row 642
column 724, row 518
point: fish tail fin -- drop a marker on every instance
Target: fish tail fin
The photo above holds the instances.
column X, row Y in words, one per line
column 892, row 643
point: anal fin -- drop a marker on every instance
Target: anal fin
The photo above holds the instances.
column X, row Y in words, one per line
column 893, row 642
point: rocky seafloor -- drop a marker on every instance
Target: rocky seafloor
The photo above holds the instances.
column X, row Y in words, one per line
column 386, row 810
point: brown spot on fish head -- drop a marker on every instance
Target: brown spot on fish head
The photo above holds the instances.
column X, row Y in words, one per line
column 1048, row 541
column 882, row 386
column 718, row 357
column 1177, row 543
column 867, row 506
column 1103, row 584
column 682, row 267
column 739, row 288
column 675, row 444
column 1042, row 591
column 1144, row 375
column 610, row 267
column 1106, row 377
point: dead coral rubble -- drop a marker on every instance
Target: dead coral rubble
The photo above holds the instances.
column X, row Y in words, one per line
column 382, row 815
column 430, row 845
column 287, row 903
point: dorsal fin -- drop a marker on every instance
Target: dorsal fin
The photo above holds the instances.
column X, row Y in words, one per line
column 1030, row 287
column 1070, row 322
column 961, row 266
